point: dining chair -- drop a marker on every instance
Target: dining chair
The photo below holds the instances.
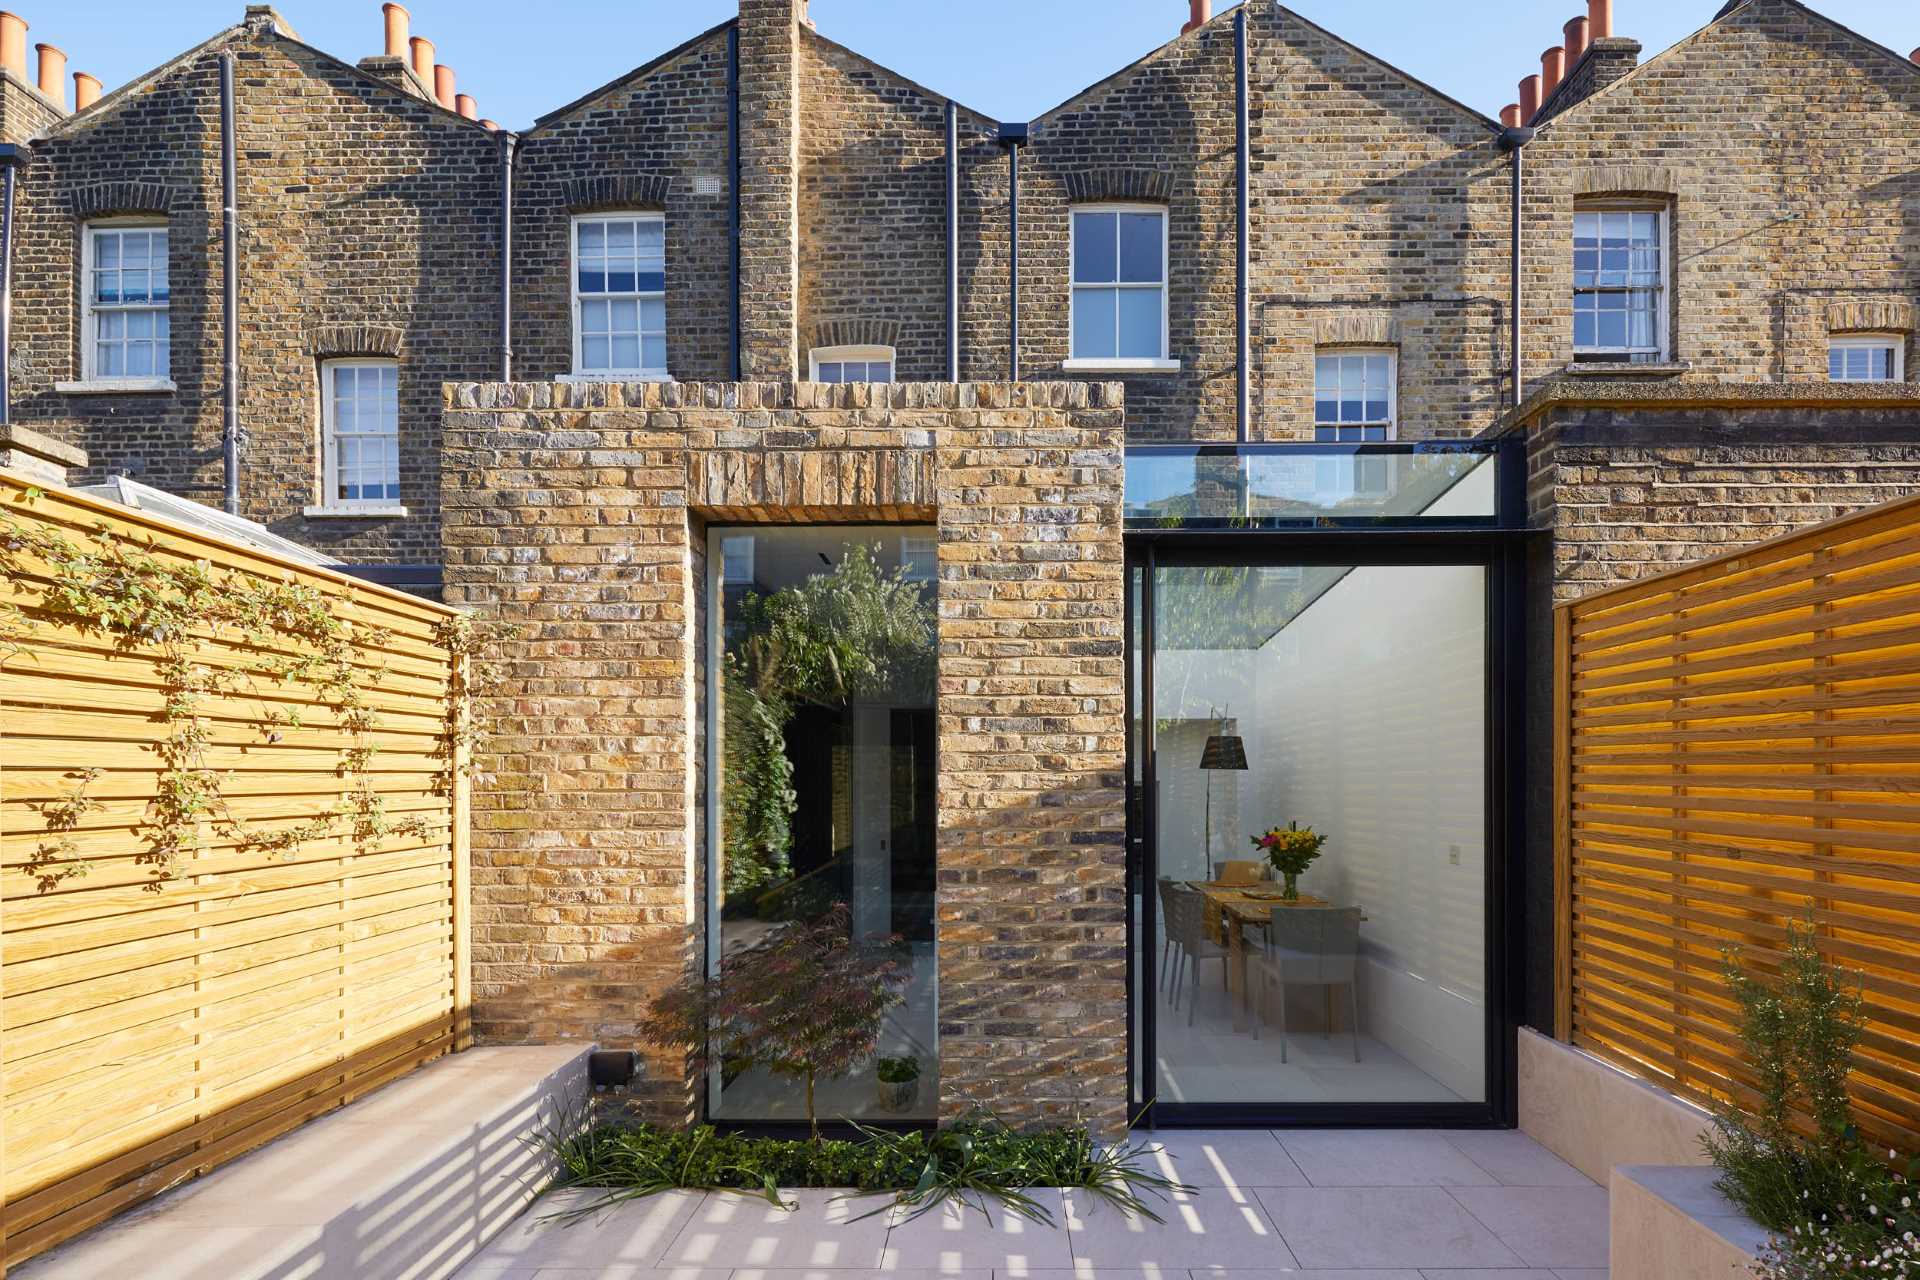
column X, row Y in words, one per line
column 1168, row 887
column 1309, row 947
column 1238, row 871
column 1187, row 924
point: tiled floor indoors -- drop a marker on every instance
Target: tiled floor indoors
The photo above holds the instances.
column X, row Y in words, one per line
column 1285, row 1205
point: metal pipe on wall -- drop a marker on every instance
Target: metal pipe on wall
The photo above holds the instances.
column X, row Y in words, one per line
column 230, row 291
column 1515, row 141
column 11, row 157
column 733, row 203
column 953, row 241
column 1013, row 137
column 1243, row 271
column 507, row 144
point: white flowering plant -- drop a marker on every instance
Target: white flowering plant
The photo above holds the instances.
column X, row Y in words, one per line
column 1878, row 1236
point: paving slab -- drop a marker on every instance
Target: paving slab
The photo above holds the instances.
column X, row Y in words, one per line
column 1229, row 1158
column 1546, row 1226
column 1515, row 1160
column 827, row 1229
column 954, row 1238
column 1382, row 1158
column 1216, row 1227
column 1383, row 1227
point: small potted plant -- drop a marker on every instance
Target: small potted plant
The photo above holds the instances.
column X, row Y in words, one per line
column 899, row 1084
column 1290, row 850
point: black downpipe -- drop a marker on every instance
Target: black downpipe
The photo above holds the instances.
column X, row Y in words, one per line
column 230, row 294
column 733, row 204
column 11, row 157
column 1243, row 403
column 507, row 145
column 953, row 242
column 1013, row 137
column 1515, row 140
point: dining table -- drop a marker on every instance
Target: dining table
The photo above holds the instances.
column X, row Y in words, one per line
column 1231, row 909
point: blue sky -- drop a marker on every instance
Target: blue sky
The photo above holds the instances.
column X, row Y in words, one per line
column 1008, row 58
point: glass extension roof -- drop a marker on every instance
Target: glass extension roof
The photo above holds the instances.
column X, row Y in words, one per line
column 1428, row 485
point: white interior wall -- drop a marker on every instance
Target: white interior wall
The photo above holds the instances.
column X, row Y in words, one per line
column 1365, row 719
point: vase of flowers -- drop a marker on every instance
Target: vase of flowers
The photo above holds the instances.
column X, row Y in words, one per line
column 1290, row 850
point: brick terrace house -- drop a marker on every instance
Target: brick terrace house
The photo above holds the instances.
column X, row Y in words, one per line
column 1199, row 457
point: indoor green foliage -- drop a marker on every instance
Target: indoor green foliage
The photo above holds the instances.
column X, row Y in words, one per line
column 974, row 1162
column 1799, row 1031
column 807, row 1001
column 852, row 632
column 176, row 612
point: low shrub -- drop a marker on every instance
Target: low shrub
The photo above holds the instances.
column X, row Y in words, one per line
column 976, row 1162
column 1794, row 1161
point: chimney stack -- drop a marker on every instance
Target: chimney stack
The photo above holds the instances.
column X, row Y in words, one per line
column 1529, row 98
column 443, row 85
column 1599, row 20
column 1553, row 69
column 397, row 23
column 86, row 91
column 466, row 106
column 1199, row 13
column 422, row 49
column 1576, row 34
column 53, row 72
column 13, row 43
column 1510, row 115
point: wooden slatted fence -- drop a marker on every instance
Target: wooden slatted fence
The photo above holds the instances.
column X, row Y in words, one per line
column 1737, row 749
column 154, row 1028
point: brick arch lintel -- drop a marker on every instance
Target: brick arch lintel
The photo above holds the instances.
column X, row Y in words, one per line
column 1876, row 315
column 106, row 199
column 1117, row 183
column 857, row 333
column 329, row 341
column 615, row 191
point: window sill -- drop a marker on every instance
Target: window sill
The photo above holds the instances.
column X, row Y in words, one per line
column 115, row 387
column 612, row 377
column 383, row 511
column 1626, row 369
column 1121, row 366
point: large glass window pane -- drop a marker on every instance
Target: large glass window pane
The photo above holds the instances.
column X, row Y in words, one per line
column 1140, row 323
column 1094, row 320
column 821, row 665
column 1141, row 236
column 1095, row 247
column 1348, row 699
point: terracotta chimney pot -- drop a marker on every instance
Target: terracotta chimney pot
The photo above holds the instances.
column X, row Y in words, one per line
column 13, row 43
column 443, row 85
column 86, row 91
column 1553, row 69
column 1199, row 13
column 466, row 106
column 1510, row 115
column 397, row 23
column 491, row 126
column 1576, row 33
column 422, row 49
column 1529, row 98
column 53, row 72
column 1599, row 20
column 1915, row 55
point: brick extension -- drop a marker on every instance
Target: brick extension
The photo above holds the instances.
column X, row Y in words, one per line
column 580, row 511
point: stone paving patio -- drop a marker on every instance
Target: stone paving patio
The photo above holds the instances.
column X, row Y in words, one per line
column 1270, row 1205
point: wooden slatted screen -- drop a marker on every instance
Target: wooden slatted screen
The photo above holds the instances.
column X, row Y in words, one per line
column 1738, row 748
column 153, row 1031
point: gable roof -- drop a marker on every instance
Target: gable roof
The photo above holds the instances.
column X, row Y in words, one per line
column 628, row 77
column 1725, row 17
column 1285, row 15
column 233, row 35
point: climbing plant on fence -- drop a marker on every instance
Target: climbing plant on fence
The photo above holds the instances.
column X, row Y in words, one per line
column 106, row 584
